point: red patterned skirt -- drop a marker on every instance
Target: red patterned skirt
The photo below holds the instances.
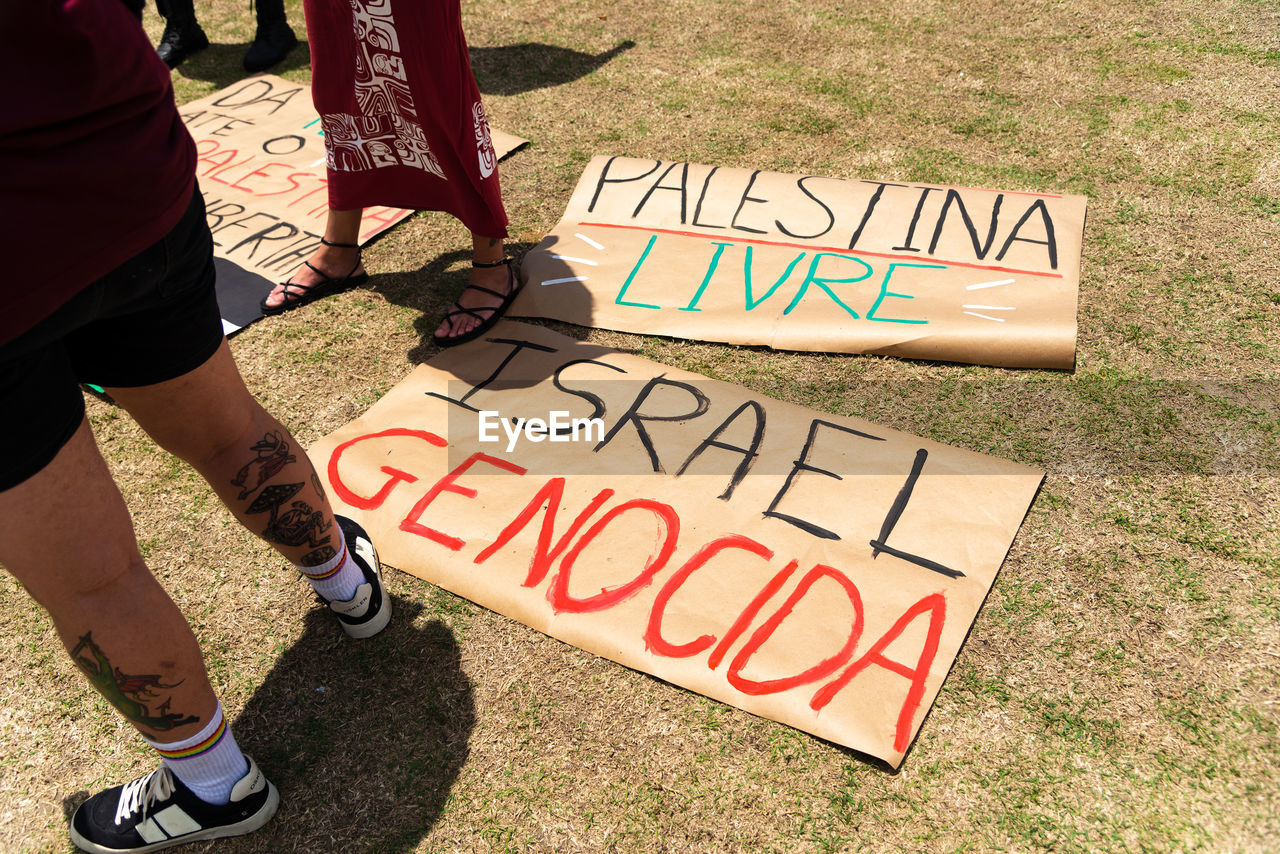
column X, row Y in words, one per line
column 402, row 117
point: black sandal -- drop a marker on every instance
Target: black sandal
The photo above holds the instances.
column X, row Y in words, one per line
column 495, row 312
column 310, row 293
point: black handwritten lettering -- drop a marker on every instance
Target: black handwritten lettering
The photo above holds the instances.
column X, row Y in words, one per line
column 697, row 210
column 871, row 206
column 802, row 464
column 1050, row 242
column 516, row 347
column 598, row 409
column 243, row 222
column 205, row 118
column 255, row 92
column 895, row 513
column 979, row 250
column 915, row 218
column 221, row 210
column 831, row 217
column 287, row 144
column 747, row 197
column 748, row 453
column 291, row 256
column 605, row 179
column 278, row 231
column 635, row 416
column 681, row 189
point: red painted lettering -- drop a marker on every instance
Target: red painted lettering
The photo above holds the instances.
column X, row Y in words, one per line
column 448, row 483
column 551, row 494
column 396, row 475
column 324, row 184
column 820, row 670
column 749, row 613
column 216, row 158
column 265, row 172
column 936, row 606
column 213, row 174
column 376, row 219
column 653, row 639
column 558, row 592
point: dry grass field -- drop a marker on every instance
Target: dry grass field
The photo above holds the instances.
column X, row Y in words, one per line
column 1120, row 689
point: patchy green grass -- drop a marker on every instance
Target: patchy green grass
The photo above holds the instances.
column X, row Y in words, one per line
column 1118, row 690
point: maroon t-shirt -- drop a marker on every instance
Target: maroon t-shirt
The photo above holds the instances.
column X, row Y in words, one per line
column 95, row 164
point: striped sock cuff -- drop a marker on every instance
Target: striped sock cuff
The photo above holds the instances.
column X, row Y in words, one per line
column 328, row 569
column 199, row 744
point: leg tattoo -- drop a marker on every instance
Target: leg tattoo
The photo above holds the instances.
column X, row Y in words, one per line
column 273, row 455
column 321, row 555
column 300, row 524
column 319, row 487
column 131, row 695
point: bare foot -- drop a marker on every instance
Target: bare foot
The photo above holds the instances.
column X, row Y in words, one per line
column 497, row 279
column 336, row 262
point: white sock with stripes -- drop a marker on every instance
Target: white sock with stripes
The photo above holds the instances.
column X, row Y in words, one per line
column 336, row 579
column 208, row 763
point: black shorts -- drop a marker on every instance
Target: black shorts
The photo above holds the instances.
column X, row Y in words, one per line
column 153, row 318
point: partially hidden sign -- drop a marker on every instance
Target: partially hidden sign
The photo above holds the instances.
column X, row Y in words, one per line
column 802, row 262
column 261, row 166
column 817, row 570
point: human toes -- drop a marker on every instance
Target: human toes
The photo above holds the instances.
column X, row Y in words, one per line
column 452, row 327
column 278, row 296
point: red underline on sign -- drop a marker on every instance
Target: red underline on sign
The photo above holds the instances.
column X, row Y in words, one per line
column 834, row 249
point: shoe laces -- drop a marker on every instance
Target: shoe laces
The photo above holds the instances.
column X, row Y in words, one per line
column 143, row 792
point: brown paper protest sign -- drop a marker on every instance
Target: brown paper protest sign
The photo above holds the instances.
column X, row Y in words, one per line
column 261, row 166
column 817, row 570
column 802, row 262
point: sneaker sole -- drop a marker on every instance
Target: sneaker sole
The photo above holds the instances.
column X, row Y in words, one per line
column 369, row 554
column 249, row 825
column 371, row 628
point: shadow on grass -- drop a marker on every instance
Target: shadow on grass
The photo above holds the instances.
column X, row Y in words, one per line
column 505, row 70
column 364, row 739
column 431, row 290
column 516, row 68
column 223, row 64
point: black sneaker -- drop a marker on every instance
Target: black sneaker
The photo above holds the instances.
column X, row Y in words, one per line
column 271, row 43
column 157, row 811
column 181, row 39
column 369, row 611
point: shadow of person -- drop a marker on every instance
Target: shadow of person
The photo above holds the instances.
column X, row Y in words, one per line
column 221, row 64
column 513, row 69
column 364, row 739
column 432, row 289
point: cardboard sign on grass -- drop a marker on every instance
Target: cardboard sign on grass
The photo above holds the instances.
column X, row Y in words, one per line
column 261, row 166
column 817, row 570
column 801, row 262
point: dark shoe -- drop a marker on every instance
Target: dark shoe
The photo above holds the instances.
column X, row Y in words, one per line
column 492, row 313
column 369, row 611
column 181, row 39
column 271, row 43
column 302, row 294
column 157, row 811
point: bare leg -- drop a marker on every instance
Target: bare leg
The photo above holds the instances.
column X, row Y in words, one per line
column 208, row 418
column 485, row 250
column 68, row 539
column 334, row 261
